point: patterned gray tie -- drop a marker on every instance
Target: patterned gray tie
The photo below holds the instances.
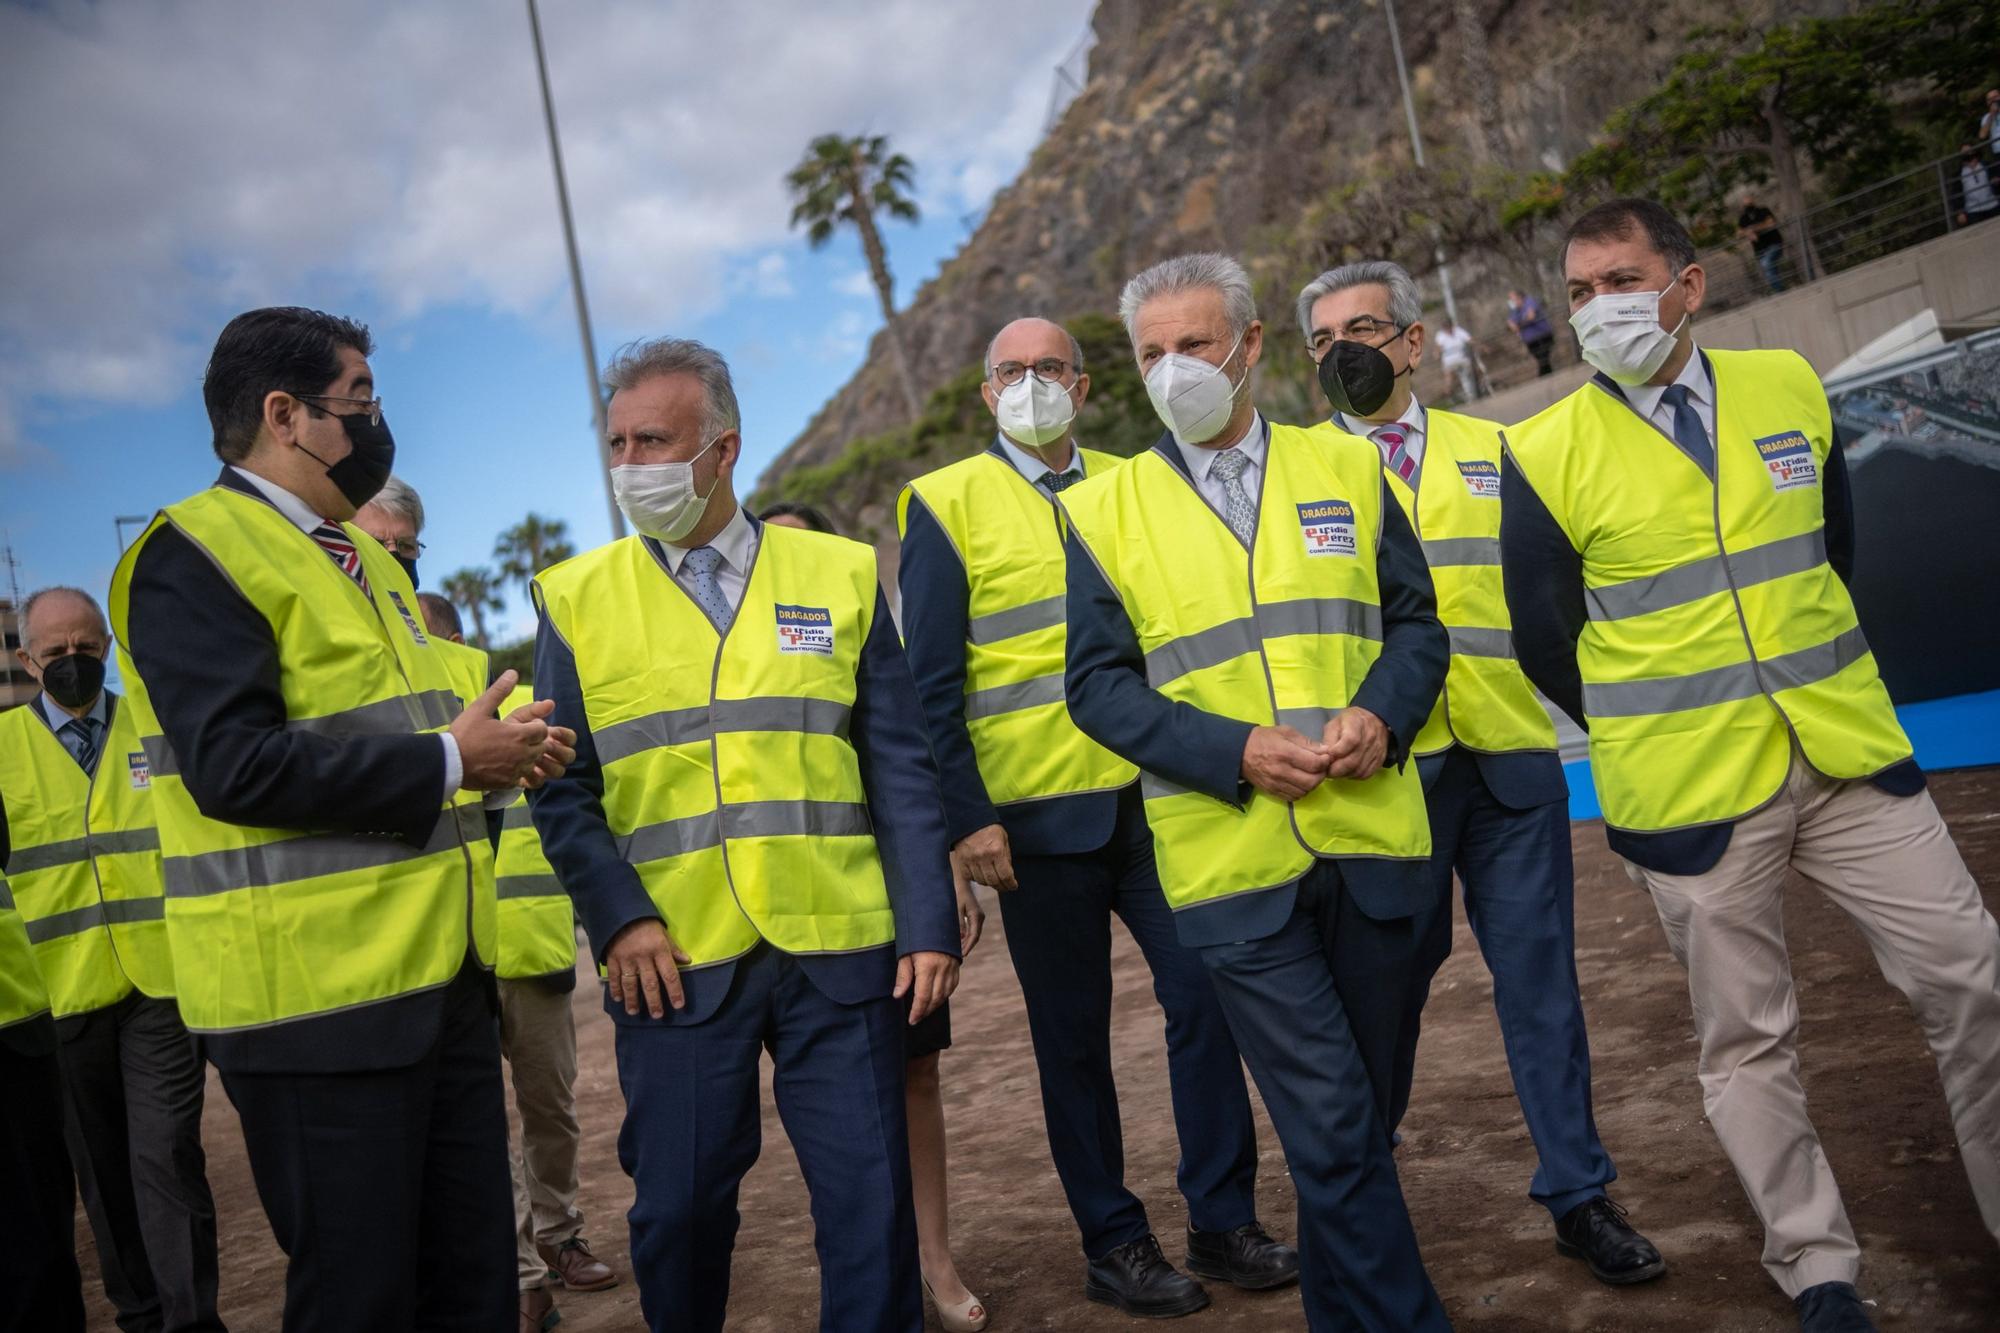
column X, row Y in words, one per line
column 702, row 562
column 1238, row 509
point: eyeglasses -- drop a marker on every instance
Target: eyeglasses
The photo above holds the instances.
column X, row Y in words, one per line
column 1360, row 329
column 407, row 547
column 372, row 407
column 1049, row 370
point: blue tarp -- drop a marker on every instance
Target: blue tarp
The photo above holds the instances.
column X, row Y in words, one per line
column 1960, row 732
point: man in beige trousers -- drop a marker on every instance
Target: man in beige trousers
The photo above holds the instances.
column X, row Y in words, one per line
column 1676, row 537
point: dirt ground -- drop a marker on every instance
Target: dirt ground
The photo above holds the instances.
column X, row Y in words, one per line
column 1465, row 1161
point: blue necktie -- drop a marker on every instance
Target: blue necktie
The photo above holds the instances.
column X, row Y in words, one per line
column 83, row 733
column 1689, row 433
column 702, row 562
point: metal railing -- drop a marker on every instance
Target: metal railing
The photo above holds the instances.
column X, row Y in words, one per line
column 1918, row 205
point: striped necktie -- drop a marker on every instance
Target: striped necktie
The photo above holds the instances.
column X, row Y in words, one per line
column 341, row 551
column 86, row 731
column 1396, row 452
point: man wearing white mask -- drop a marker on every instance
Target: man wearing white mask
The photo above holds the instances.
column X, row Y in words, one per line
column 1251, row 624
column 1676, row 542
column 1053, row 821
column 754, row 843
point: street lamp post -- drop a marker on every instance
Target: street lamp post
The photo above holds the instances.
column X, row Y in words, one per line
column 1417, row 151
column 575, row 272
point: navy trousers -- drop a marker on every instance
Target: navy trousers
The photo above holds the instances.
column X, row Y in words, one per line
column 692, row 1130
column 41, row 1290
column 388, row 1189
column 1516, row 869
column 1059, row 935
column 1358, row 1262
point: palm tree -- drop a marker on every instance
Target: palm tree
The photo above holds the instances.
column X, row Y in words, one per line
column 531, row 546
column 475, row 590
column 850, row 180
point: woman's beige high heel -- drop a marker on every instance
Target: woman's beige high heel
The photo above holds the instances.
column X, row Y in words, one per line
column 968, row 1316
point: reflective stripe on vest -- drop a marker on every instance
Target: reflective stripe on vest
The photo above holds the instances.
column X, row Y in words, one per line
column 1283, row 636
column 1009, row 541
column 84, row 861
column 729, row 782
column 1718, row 636
column 1486, row 703
column 537, row 922
column 269, row 925
column 23, row 997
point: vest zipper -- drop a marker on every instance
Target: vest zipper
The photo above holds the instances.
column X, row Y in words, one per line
column 1417, row 529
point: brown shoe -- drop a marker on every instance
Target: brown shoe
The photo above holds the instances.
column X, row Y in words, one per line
column 538, row 1311
column 572, row 1264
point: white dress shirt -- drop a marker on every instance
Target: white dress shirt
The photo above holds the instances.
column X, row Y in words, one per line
column 1033, row 468
column 1646, row 398
column 1212, row 488
column 737, row 543
column 302, row 517
column 1411, row 424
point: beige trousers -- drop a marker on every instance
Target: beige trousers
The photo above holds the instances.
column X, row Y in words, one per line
column 538, row 1037
column 1890, row 864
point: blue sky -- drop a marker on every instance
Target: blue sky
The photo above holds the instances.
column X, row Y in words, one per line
column 173, row 163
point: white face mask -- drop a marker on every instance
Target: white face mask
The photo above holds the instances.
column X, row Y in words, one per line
column 658, row 498
column 1193, row 398
column 1034, row 413
column 1620, row 334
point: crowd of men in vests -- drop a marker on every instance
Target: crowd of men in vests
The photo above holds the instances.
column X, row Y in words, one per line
column 1265, row 692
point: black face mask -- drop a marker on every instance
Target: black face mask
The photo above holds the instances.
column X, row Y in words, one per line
column 409, row 567
column 1356, row 378
column 75, row 680
column 361, row 475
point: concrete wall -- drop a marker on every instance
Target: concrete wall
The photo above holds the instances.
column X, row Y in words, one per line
column 1958, row 276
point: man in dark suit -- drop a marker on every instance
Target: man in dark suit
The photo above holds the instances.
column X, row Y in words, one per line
column 1251, row 622
column 752, row 834
column 318, row 808
column 1053, row 821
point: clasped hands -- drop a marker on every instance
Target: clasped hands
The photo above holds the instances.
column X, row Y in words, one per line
column 520, row 750
column 1285, row 763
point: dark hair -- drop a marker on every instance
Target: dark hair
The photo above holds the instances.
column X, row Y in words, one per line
column 280, row 348
column 813, row 518
column 438, row 610
column 1620, row 218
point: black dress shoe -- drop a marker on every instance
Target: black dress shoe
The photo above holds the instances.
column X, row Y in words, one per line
column 1832, row 1307
column 1246, row 1257
column 1597, row 1233
column 1137, row 1279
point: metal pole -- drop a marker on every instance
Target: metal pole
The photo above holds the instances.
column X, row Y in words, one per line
column 119, row 524
column 1417, row 150
column 575, row 275
column 1944, row 195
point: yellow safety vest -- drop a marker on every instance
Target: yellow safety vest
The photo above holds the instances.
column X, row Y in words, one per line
column 1283, row 634
column 537, row 922
column 467, row 667
column 84, row 861
column 22, row 995
column 1718, row 636
column 1009, row 538
column 269, row 925
column 729, row 780
column 1487, row 703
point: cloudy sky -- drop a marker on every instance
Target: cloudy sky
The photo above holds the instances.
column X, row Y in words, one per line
column 169, row 163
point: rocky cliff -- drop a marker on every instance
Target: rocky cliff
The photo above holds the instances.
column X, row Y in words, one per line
column 1272, row 129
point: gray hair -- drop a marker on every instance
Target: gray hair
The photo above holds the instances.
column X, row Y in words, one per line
column 1406, row 304
column 1186, row 273
column 1075, row 347
column 400, row 498
column 637, row 362
column 58, row 590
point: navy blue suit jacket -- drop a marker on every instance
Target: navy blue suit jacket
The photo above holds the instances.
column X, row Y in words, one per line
column 897, row 774
column 1544, row 580
column 936, row 611
column 1108, row 696
column 210, row 663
